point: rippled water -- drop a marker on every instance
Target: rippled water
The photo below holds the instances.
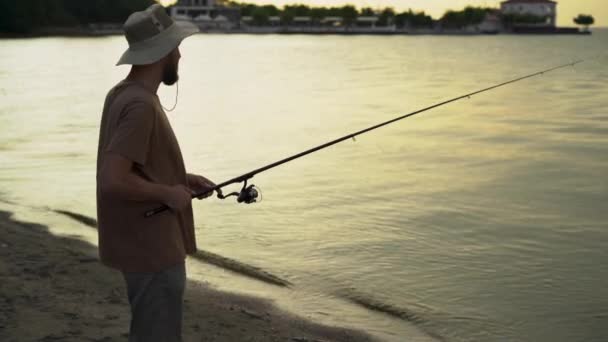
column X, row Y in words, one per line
column 482, row 220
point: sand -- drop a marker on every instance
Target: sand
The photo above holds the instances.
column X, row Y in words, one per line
column 55, row 289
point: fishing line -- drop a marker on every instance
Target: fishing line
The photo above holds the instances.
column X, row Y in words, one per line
column 249, row 194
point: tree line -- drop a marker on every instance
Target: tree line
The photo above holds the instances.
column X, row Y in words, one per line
column 25, row 16
column 452, row 19
column 261, row 14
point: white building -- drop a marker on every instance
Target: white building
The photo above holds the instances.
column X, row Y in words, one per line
column 539, row 8
column 332, row 21
column 491, row 23
column 207, row 14
column 192, row 9
column 367, row 21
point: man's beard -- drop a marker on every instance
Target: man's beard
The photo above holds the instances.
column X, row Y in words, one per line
column 170, row 75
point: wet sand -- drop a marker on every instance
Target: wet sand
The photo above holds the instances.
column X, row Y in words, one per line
column 54, row 289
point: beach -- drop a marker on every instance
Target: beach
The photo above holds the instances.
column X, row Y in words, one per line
column 55, row 289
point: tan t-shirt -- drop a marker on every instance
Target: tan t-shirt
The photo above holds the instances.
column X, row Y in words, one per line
column 134, row 125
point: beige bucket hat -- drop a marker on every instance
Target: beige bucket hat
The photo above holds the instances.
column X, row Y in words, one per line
column 152, row 34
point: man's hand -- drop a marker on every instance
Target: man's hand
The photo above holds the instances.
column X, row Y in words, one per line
column 178, row 197
column 199, row 184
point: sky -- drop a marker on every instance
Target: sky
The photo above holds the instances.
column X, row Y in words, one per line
column 566, row 9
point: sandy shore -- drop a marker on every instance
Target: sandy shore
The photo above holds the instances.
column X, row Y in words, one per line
column 54, row 289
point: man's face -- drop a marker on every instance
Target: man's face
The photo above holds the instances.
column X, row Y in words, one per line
column 170, row 73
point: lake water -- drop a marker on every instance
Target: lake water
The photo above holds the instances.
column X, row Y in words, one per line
column 483, row 220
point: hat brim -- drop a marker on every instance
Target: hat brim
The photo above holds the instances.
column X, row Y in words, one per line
column 154, row 49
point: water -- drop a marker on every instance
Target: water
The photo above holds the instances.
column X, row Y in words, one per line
column 482, row 220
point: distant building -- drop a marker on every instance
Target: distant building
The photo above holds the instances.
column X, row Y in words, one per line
column 491, row 23
column 367, row 21
column 539, row 8
column 301, row 21
column 332, row 21
column 207, row 14
column 191, row 9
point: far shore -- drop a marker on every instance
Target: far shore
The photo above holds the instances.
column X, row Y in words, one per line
column 86, row 32
column 55, row 289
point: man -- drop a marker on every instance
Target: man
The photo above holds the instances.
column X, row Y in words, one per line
column 139, row 166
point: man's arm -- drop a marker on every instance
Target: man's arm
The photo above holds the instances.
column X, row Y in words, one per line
column 117, row 178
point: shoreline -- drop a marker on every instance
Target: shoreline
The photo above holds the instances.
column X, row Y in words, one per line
column 58, row 283
column 87, row 33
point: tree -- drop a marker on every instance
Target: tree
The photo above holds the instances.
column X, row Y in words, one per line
column 421, row 19
column 272, row 10
column 468, row 16
column 26, row 16
column 287, row 15
column 453, row 19
column 414, row 20
column 247, row 10
column 299, row 10
column 349, row 14
column 260, row 16
column 585, row 20
column 367, row 12
column 475, row 15
column 318, row 13
column 386, row 17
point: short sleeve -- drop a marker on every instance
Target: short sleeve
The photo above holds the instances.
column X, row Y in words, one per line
column 131, row 136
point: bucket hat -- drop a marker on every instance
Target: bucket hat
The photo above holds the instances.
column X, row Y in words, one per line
column 152, row 34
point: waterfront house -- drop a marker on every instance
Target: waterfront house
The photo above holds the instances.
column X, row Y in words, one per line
column 332, row 21
column 190, row 9
column 367, row 21
column 272, row 21
column 301, row 21
column 207, row 14
column 491, row 24
column 537, row 8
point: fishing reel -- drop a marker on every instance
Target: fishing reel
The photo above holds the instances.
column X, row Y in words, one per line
column 248, row 194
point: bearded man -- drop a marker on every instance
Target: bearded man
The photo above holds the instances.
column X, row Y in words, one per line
column 139, row 166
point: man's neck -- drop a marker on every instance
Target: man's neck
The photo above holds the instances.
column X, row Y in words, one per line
column 146, row 76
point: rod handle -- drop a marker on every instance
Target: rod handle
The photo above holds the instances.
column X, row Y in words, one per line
column 165, row 207
column 155, row 211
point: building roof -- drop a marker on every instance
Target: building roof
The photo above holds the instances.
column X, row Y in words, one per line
column 368, row 19
column 187, row 3
column 302, row 19
column 528, row 2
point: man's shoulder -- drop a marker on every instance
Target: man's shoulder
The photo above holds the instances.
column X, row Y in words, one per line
column 128, row 94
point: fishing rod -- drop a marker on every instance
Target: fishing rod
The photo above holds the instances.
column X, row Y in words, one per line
column 249, row 194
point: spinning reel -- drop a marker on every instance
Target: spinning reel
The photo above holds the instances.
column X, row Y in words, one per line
column 248, row 194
